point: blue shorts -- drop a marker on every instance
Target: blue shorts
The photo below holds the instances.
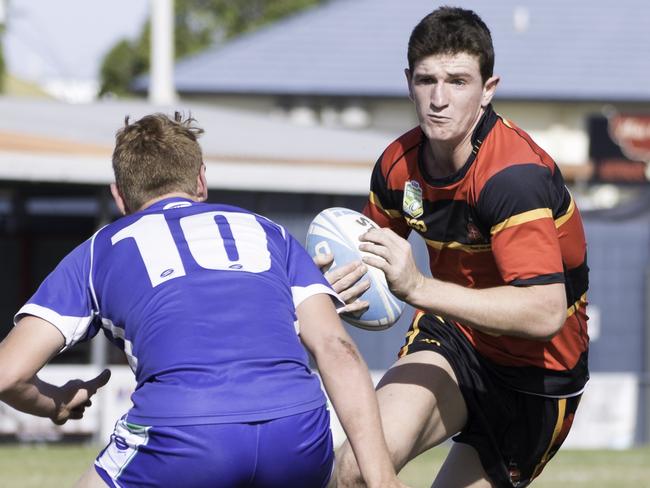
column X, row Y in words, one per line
column 294, row 451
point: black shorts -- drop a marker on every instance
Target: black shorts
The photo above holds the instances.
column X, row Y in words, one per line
column 515, row 433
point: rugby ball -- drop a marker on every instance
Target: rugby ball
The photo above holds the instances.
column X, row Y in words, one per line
column 336, row 231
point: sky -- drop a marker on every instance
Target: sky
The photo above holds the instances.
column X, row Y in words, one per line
column 66, row 39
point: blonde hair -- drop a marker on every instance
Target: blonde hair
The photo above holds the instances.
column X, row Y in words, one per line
column 154, row 156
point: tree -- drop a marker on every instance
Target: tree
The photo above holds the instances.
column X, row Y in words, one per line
column 197, row 25
column 120, row 66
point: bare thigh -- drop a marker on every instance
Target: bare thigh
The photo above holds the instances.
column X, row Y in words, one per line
column 462, row 469
column 420, row 406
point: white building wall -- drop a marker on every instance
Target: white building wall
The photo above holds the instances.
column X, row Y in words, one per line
column 558, row 127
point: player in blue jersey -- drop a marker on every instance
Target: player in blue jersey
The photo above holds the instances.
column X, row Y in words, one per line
column 211, row 305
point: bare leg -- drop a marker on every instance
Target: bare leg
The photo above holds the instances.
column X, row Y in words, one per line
column 90, row 479
column 462, row 469
column 420, row 406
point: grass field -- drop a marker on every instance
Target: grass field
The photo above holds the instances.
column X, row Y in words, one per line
column 58, row 466
column 568, row 469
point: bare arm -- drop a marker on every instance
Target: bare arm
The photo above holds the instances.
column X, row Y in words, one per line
column 27, row 348
column 534, row 312
column 347, row 381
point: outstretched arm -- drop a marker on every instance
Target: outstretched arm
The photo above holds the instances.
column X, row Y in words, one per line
column 347, row 381
column 27, row 348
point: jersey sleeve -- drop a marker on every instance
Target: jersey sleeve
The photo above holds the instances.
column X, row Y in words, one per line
column 384, row 205
column 304, row 276
column 64, row 298
column 517, row 205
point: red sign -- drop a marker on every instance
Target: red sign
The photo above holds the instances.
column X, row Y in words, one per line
column 632, row 134
column 619, row 145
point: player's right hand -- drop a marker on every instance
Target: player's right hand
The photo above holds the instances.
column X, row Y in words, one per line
column 74, row 397
column 346, row 281
column 393, row 255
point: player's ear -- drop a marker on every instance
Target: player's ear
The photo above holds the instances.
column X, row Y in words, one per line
column 202, row 185
column 489, row 87
column 409, row 77
column 117, row 197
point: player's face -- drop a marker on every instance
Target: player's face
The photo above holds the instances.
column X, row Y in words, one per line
column 449, row 95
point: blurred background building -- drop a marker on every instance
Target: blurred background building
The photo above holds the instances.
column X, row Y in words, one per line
column 298, row 98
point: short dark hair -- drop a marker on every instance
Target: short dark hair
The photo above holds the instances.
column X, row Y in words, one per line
column 452, row 30
column 156, row 155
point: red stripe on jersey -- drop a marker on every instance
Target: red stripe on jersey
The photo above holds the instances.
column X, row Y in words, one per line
column 527, row 250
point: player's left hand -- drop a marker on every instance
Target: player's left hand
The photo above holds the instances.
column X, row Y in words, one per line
column 346, row 281
column 394, row 256
column 75, row 395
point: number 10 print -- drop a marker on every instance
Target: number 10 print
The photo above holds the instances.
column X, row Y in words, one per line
column 217, row 240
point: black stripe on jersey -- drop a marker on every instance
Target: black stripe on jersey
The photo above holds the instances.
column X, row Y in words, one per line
column 518, row 189
column 577, row 282
column 451, row 221
column 448, row 221
column 389, row 199
column 565, row 197
column 546, row 279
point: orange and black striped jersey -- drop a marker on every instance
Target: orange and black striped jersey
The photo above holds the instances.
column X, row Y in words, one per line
column 505, row 218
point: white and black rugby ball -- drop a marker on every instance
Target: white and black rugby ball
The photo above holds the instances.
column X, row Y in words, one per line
column 336, row 231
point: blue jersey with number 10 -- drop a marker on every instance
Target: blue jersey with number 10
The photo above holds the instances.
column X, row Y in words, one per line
column 202, row 300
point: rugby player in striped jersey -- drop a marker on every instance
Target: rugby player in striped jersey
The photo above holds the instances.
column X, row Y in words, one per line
column 496, row 355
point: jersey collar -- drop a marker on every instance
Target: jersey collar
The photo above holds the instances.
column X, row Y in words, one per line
column 482, row 129
column 169, row 203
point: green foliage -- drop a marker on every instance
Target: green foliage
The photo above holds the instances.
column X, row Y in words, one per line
column 121, row 65
column 198, row 24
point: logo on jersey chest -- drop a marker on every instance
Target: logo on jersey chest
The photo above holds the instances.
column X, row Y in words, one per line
column 412, row 202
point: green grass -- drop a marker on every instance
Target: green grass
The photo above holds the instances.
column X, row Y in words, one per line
column 57, row 466
column 46, row 466
column 569, row 468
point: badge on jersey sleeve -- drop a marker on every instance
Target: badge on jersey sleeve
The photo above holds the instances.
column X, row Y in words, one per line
column 412, row 202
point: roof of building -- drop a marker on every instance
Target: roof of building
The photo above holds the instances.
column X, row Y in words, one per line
column 50, row 141
column 551, row 50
